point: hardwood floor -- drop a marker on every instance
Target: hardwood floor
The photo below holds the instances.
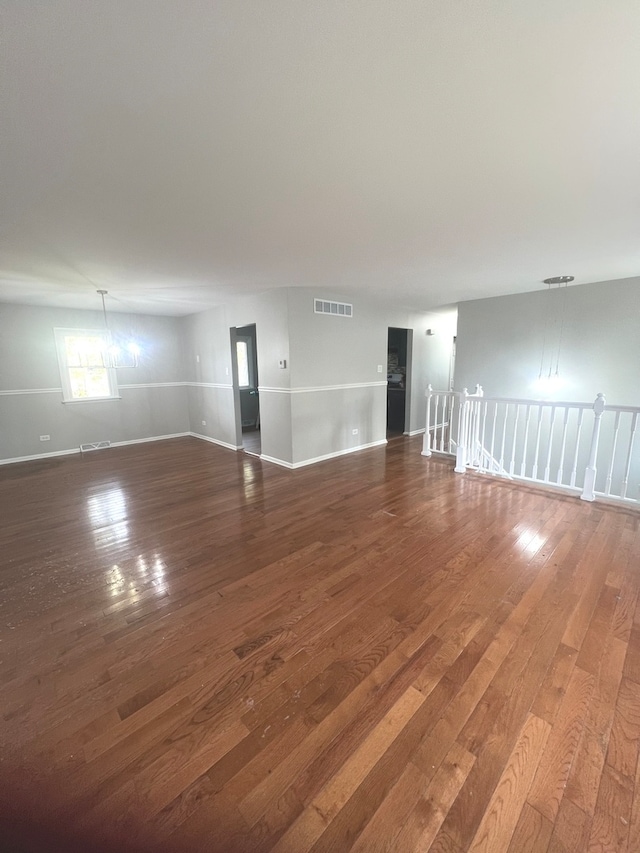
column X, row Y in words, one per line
column 204, row 652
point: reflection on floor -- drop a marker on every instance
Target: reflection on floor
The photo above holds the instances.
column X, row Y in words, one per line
column 200, row 651
column 251, row 442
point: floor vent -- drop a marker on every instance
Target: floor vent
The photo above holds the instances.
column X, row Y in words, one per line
column 336, row 309
column 94, row 445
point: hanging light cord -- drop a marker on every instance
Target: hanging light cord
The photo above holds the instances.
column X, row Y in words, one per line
column 103, row 293
column 544, row 340
column 563, row 314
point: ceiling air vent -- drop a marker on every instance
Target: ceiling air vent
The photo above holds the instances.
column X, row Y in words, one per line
column 336, row 309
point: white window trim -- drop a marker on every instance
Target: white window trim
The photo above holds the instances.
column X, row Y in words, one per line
column 250, row 362
column 67, row 395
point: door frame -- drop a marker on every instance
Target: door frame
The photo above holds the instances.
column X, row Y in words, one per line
column 235, row 335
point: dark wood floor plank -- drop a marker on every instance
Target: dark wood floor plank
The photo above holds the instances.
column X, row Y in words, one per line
column 202, row 651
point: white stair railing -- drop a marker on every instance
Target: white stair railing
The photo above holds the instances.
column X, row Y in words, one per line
column 443, row 409
column 548, row 443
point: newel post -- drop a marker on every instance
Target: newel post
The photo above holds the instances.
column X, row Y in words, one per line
column 426, row 441
column 463, row 434
column 588, row 491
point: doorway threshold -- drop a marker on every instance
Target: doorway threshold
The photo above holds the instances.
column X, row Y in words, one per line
column 252, row 443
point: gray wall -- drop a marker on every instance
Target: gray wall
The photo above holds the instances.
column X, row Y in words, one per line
column 501, row 340
column 207, row 359
column 308, row 410
column 331, row 351
column 30, row 386
column 330, row 385
column 207, row 350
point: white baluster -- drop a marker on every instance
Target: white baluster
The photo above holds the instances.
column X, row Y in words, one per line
column 534, row 472
column 616, row 427
column 588, row 492
column 548, row 463
column 564, row 444
column 512, row 464
column 426, row 441
column 574, row 469
column 504, row 437
column 523, row 464
column 463, row 431
column 493, row 435
column 625, row 482
column 480, row 446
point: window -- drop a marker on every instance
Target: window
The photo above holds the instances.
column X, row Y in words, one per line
column 242, row 348
column 83, row 361
column 246, row 373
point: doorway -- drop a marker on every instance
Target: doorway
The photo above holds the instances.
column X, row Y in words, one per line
column 245, row 359
column 398, row 379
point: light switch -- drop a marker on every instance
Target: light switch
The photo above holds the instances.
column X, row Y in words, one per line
column 282, row 363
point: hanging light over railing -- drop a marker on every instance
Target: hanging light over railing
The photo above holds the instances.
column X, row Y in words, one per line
column 551, row 381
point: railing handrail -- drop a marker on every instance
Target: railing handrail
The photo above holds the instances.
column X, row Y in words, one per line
column 536, row 440
column 524, row 401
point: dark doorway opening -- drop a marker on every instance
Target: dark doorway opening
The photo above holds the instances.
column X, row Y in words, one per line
column 247, row 361
column 398, row 372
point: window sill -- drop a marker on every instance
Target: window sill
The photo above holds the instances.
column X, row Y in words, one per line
column 92, row 400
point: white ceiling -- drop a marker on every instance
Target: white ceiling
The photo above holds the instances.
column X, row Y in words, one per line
column 175, row 153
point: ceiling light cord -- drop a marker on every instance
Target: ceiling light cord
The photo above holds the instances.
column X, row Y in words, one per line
column 103, row 293
column 112, row 355
column 546, row 329
column 562, row 319
column 560, row 280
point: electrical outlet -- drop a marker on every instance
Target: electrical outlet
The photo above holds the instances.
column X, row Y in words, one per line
column 354, row 432
column 197, row 359
column 204, row 423
column 379, row 368
column 282, row 363
column 45, row 438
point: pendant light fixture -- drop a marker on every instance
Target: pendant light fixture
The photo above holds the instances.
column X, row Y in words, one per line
column 120, row 353
column 551, row 380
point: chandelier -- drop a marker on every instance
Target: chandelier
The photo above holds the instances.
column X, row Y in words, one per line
column 120, row 352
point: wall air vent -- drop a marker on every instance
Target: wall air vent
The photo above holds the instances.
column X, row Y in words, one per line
column 94, row 445
column 336, row 309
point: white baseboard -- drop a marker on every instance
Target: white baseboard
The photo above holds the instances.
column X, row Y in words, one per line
column 344, row 452
column 35, row 456
column 275, row 461
column 214, row 441
column 151, row 438
column 415, row 432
